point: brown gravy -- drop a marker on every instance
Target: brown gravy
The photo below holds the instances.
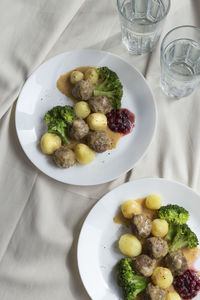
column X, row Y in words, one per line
column 190, row 254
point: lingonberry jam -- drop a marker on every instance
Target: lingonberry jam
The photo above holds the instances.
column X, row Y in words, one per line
column 121, row 120
column 187, row 284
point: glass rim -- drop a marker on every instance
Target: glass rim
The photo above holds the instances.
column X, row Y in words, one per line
column 142, row 24
column 162, row 48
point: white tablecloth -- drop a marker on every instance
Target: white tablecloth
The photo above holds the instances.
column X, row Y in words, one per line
column 40, row 219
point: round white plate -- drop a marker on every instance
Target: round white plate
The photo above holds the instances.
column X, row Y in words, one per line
column 40, row 94
column 98, row 250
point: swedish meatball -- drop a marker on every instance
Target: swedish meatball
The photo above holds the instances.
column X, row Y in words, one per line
column 177, row 262
column 78, row 129
column 156, row 247
column 153, row 292
column 144, row 264
column 98, row 141
column 83, row 90
column 64, row 157
column 100, row 104
column 141, row 225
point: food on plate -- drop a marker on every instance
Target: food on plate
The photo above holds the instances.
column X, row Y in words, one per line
column 176, row 262
column 130, row 208
column 98, row 141
column 144, row 264
column 156, row 247
column 100, row 104
column 49, row 143
column 82, row 109
column 78, row 129
column 121, row 120
column 141, row 226
column 96, row 92
column 159, row 227
column 84, row 154
column 187, row 285
column 154, row 292
column 64, row 157
column 83, row 90
column 76, row 76
column 91, row 75
column 162, row 277
column 153, row 201
column 173, row 296
column 97, row 121
column 164, row 263
column 131, row 283
column 130, row 245
column 109, row 85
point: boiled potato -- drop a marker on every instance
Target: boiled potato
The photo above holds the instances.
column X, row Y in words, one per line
column 82, row 109
column 129, row 245
column 162, row 277
column 130, row 208
column 153, row 201
column 159, row 228
column 76, row 76
column 50, row 142
column 97, row 121
column 84, row 154
column 173, row 296
column 91, row 75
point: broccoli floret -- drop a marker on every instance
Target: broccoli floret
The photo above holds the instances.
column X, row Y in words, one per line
column 67, row 113
column 174, row 215
column 184, row 237
column 131, row 283
column 59, row 127
column 110, row 86
column 52, row 114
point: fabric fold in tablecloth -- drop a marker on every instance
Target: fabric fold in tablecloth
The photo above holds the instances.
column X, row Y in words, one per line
column 40, row 218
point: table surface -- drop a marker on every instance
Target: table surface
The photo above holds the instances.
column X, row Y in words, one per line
column 40, row 218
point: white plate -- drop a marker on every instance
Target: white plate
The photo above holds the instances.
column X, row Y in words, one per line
column 98, row 251
column 40, row 94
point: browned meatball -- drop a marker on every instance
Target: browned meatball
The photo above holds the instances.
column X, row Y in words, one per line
column 100, row 104
column 141, row 225
column 64, row 157
column 144, row 264
column 153, row 292
column 78, row 129
column 83, row 90
column 176, row 262
column 98, row 141
column 156, row 247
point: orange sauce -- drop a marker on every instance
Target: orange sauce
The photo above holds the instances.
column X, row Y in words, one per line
column 114, row 138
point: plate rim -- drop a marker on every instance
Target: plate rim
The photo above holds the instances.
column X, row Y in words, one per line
column 148, row 179
column 154, row 106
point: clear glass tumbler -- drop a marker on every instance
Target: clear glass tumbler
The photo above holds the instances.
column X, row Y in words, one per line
column 180, row 61
column 141, row 23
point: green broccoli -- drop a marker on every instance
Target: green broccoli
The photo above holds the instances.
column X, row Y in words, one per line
column 174, row 215
column 58, row 127
column 184, row 237
column 110, row 86
column 53, row 114
column 131, row 283
column 67, row 113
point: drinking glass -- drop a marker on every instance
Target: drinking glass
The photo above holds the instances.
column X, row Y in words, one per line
column 180, row 61
column 141, row 23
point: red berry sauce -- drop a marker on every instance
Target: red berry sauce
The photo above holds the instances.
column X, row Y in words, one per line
column 187, row 285
column 121, row 120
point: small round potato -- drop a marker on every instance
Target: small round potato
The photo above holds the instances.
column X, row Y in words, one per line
column 84, row 155
column 153, row 201
column 97, row 121
column 129, row 245
column 82, row 109
column 49, row 143
column 159, row 228
column 162, row 277
column 173, row 296
column 91, row 75
column 130, row 208
column 76, row 76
